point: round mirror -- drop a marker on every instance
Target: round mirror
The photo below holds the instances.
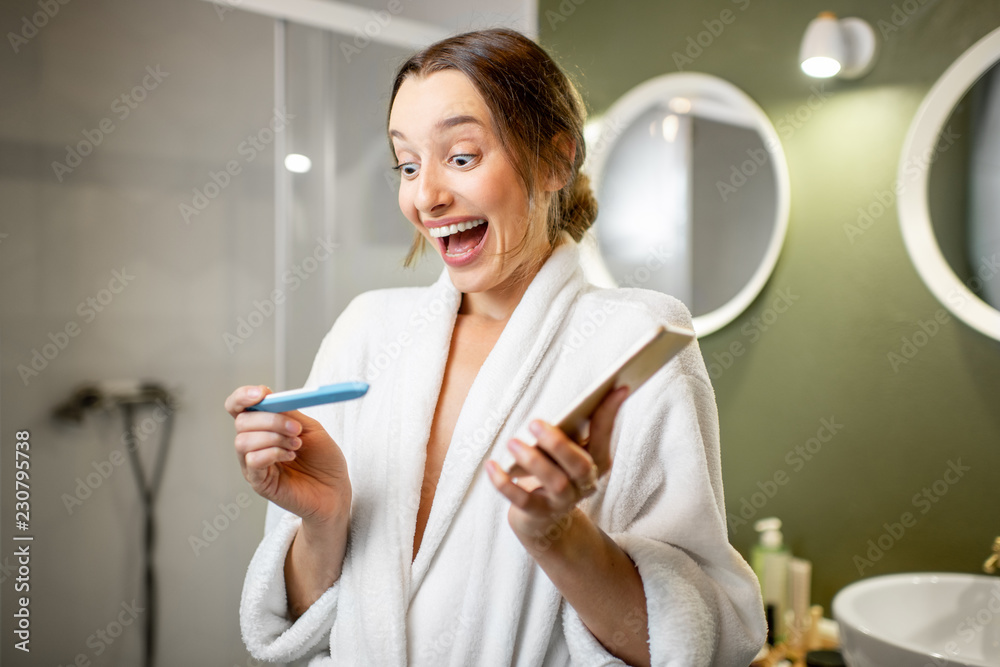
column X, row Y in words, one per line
column 693, row 192
column 949, row 188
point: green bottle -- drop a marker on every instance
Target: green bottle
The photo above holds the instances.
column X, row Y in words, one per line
column 769, row 561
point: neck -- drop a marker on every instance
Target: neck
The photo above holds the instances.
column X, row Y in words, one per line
column 497, row 304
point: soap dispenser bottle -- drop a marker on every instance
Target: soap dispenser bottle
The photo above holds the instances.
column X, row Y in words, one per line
column 770, row 563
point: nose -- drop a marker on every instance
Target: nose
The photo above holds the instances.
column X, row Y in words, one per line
column 433, row 194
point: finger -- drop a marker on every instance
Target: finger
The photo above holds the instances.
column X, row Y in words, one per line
column 267, row 421
column 307, row 422
column 575, row 461
column 505, row 485
column 555, row 481
column 259, row 462
column 521, row 477
column 601, row 426
column 255, row 441
column 259, row 430
column 517, row 472
column 262, row 458
column 244, row 397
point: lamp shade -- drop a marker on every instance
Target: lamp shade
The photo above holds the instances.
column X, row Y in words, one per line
column 837, row 47
column 822, row 53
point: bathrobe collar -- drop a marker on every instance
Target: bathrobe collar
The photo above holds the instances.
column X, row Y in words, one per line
column 509, row 366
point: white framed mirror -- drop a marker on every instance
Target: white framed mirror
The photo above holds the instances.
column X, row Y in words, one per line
column 693, row 191
column 949, row 188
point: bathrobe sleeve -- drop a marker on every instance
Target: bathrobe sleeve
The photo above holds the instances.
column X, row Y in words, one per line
column 267, row 629
column 663, row 505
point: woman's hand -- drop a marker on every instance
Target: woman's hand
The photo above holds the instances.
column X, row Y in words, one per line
column 562, row 472
column 593, row 574
column 289, row 459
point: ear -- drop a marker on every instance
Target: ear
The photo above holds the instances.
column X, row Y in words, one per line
column 558, row 179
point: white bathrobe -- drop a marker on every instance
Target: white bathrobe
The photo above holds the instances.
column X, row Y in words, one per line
column 473, row 596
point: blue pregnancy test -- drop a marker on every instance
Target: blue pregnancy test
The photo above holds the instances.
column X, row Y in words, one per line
column 303, row 398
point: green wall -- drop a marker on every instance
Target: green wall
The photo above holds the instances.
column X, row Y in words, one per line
column 855, row 300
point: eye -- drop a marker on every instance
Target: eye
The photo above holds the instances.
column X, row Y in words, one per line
column 463, row 160
column 407, row 169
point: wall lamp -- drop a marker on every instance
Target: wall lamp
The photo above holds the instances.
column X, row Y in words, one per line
column 297, row 164
column 843, row 48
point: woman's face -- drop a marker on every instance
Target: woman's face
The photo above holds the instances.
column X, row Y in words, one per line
column 455, row 177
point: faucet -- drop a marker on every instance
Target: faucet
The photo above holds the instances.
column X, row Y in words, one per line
column 993, row 562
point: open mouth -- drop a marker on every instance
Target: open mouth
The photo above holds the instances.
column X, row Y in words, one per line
column 460, row 238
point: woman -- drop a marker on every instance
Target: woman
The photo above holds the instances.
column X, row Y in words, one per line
column 392, row 538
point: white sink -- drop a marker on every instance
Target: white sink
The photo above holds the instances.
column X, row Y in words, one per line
column 920, row 620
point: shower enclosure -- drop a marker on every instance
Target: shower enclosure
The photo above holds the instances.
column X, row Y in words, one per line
column 152, row 233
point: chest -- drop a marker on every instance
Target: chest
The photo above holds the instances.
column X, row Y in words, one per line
column 471, row 344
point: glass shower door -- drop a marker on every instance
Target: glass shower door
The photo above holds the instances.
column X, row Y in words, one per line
column 340, row 230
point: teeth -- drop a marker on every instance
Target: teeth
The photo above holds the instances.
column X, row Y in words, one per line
column 448, row 230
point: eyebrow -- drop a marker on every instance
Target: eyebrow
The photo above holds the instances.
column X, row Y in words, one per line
column 455, row 121
column 446, row 124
